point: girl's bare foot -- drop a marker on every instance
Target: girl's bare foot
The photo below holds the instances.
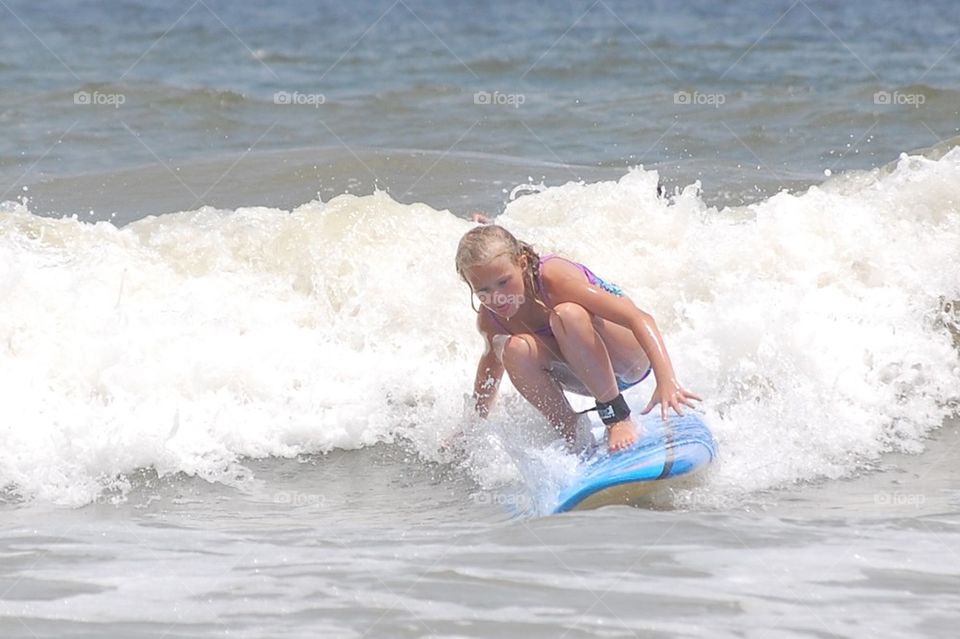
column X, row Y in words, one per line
column 621, row 435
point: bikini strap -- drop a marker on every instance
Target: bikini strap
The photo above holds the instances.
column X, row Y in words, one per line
column 540, row 274
column 589, row 275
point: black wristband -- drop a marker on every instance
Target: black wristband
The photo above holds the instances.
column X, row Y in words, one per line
column 616, row 410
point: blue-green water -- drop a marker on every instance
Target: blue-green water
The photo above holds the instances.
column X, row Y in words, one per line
column 746, row 96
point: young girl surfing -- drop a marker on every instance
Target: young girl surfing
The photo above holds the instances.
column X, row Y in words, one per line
column 553, row 325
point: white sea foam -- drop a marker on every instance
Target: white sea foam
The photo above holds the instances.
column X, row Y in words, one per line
column 189, row 341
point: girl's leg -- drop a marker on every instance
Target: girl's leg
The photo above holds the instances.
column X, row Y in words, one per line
column 585, row 352
column 629, row 360
column 538, row 365
column 527, row 361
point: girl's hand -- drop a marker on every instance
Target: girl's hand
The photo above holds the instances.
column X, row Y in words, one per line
column 670, row 394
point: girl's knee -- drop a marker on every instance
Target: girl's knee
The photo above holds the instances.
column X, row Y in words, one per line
column 514, row 349
column 566, row 313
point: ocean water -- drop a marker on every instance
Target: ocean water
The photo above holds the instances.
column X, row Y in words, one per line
column 234, row 350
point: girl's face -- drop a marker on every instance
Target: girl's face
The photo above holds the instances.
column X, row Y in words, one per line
column 499, row 284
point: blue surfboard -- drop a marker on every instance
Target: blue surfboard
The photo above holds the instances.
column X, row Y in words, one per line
column 679, row 447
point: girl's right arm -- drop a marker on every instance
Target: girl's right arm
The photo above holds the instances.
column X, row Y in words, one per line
column 489, row 374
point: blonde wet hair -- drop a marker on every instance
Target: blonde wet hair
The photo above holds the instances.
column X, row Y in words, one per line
column 481, row 244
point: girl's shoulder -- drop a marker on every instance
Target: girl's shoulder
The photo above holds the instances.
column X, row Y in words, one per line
column 557, row 270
